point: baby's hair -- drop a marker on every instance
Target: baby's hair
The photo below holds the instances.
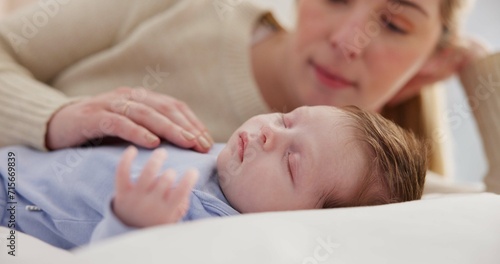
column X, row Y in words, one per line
column 397, row 162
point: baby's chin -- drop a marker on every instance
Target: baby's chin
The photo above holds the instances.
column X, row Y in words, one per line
column 222, row 158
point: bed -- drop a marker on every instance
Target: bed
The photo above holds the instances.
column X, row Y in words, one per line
column 439, row 229
column 451, row 228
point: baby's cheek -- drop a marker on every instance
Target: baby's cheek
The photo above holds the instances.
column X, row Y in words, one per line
column 227, row 169
column 237, row 199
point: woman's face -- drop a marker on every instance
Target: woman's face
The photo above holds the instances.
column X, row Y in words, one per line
column 360, row 52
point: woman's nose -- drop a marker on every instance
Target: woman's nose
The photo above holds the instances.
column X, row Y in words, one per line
column 347, row 37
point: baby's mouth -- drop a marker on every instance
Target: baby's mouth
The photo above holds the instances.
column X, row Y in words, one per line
column 242, row 143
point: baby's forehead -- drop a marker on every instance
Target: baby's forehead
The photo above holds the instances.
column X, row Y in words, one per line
column 337, row 118
column 326, row 123
column 345, row 131
column 339, row 133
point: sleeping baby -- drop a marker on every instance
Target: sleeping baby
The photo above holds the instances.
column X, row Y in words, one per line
column 311, row 158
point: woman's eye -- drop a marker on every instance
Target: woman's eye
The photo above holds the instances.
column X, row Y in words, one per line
column 393, row 27
column 339, row 1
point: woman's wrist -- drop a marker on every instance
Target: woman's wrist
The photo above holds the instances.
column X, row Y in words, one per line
column 474, row 50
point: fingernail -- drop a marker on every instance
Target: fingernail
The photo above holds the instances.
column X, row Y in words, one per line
column 187, row 135
column 151, row 138
column 203, row 142
column 207, row 135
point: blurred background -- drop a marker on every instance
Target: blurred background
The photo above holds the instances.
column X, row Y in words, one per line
column 483, row 22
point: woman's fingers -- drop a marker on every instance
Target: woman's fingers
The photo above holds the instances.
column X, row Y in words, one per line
column 189, row 114
column 123, row 127
column 142, row 120
column 188, row 131
column 146, row 115
column 180, row 113
column 157, row 123
column 164, row 116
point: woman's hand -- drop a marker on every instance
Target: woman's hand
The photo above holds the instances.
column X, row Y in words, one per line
column 151, row 200
column 443, row 65
column 137, row 115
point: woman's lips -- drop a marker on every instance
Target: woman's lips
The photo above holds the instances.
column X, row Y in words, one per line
column 330, row 79
column 242, row 143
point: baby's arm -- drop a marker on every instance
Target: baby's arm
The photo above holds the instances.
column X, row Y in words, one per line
column 151, row 200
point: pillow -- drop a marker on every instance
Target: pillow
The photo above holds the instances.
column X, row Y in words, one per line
column 450, row 229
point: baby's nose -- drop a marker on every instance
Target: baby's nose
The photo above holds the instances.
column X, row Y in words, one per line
column 267, row 138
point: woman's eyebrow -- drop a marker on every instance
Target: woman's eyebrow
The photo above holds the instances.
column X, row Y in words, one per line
column 411, row 5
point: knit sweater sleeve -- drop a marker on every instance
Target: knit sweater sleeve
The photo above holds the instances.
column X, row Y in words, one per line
column 481, row 81
column 40, row 42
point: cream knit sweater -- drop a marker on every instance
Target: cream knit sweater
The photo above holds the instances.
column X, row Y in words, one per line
column 197, row 51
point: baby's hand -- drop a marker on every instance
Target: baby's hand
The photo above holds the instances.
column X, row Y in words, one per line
column 151, row 200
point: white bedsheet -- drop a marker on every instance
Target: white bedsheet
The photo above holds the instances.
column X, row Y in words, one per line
column 450, row 229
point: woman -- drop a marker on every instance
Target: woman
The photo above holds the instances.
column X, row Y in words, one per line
column 67, row 65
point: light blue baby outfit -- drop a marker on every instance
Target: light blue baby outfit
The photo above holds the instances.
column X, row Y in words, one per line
column 63, row 197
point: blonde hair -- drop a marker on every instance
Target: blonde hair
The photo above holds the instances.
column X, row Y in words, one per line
column 452, row 13
column 423, row 114
column 399, row 162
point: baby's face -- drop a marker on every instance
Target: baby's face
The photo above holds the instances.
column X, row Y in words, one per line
column 294, row 161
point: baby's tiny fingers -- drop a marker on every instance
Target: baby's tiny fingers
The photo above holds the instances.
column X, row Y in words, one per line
column 150, row 171
column 183, row 189
column 164, row 183
column 123, row 171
